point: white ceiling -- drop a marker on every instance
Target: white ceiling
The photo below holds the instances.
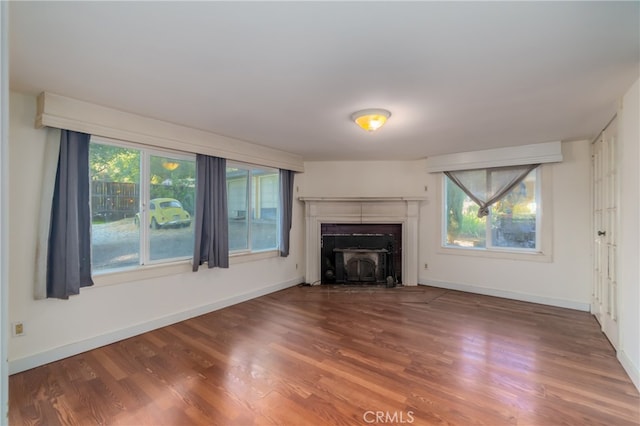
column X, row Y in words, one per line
column 457, row 76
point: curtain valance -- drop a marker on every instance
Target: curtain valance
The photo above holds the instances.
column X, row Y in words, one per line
column 488, row 186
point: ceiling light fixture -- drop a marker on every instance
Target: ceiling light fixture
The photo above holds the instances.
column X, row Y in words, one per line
column 371, row 119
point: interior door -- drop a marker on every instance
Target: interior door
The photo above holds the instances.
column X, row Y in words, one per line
column 605, row 220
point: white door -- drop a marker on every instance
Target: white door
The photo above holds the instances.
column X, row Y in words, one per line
column 605, row 220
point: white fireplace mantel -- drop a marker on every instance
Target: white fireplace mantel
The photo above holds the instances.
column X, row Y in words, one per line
column 402, row 210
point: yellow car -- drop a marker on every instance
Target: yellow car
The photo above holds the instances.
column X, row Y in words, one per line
column 166, row 212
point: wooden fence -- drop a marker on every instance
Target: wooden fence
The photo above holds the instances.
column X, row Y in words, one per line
column 114, row 200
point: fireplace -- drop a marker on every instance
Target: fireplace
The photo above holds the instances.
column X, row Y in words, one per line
column 399, row 211
column 362, row 266
column 361, row 254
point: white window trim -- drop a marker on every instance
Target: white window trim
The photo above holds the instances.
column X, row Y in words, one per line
column 146, row 272
column 145, row 188
column 244, row 257
column 138, row 273
column 249, row 254
column 544, row 239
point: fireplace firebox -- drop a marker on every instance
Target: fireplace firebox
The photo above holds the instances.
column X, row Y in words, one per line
column 361, row 254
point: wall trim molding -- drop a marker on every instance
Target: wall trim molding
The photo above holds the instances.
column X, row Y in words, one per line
column 632, row 370
column 71, row 114
column 25, row 363
column 524, row 297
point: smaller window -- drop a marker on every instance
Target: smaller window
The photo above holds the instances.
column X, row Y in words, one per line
column 512, row 224
column 252, row 203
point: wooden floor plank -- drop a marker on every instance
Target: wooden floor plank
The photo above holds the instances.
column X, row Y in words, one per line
column 344, row 355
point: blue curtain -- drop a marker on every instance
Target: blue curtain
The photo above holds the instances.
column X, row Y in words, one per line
column 69, row 248
column 286, row 209
column 211, row 227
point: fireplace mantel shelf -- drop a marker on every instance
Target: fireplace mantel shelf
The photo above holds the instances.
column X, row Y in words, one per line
column 363, row 199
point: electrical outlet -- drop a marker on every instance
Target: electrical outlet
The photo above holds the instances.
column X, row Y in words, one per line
column 17, row 329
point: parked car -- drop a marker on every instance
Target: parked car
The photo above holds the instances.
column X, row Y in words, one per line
column 166, row 212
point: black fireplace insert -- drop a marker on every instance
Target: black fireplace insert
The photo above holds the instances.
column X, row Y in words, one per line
column 360, row 258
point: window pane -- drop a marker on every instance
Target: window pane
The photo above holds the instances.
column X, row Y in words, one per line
column 464, row 227
column 264, row 223
column 237, row 182
column 513, row 219
column 115, row 239
column 171, row 206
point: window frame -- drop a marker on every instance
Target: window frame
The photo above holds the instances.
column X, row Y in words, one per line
column 544, row 243
column 116, row 276
column 249, row 251
column 145, row 188
column 144, row 247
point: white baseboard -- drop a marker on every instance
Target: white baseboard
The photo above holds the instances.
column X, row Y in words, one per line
column 31, row 361
column 632, row 370
column 570, row 304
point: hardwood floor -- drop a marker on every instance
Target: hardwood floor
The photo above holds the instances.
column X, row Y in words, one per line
column 330, row 355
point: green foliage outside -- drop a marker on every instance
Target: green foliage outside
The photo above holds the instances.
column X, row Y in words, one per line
column 511, row 214
column 114, row 164
column 473, row 227
column 463, row 223
column 168, row 177
column 110, row 163
column 455, row 199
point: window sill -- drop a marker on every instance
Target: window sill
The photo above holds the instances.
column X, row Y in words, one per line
column 141, row 273
column 531, row 256
column 161, row 270
column 237, row 258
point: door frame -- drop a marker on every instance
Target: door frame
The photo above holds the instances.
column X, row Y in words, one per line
column 605, row 194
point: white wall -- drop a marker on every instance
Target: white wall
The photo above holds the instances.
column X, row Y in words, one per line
column 629, row 261
column 364, row 178
column 564, row 281
column 102, row 314
column 4, row 202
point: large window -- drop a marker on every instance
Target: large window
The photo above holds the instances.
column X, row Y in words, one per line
column 252, row 201
column 143, row 200
column 142, row 204
column 513, row 222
